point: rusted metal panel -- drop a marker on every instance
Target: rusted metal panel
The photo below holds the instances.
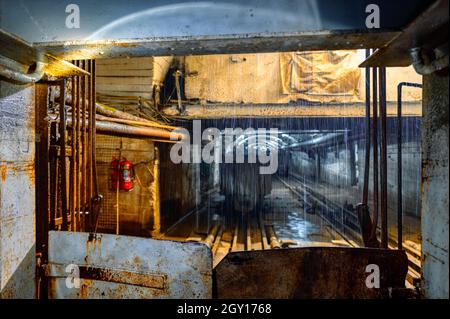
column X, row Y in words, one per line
column 312, row 272
column 17, row 215
column 113, row 266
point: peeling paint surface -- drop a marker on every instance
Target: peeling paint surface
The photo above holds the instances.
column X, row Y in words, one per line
column 17, row 191
column 112, row 266
column 308, row 272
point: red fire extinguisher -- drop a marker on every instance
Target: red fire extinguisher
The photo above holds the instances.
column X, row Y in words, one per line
column 122, row 174
column 126, row 175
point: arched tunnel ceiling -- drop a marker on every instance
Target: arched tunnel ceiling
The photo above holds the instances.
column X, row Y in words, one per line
column 138, row 28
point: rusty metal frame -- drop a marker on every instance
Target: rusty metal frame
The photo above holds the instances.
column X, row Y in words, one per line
column 308, row 272
column 375, row 150
column 399, row 161
column 59, row 208
column 367, row 155
column 111, row 266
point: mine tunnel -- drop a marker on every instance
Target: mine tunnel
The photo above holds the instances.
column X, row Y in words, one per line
column 246, row 151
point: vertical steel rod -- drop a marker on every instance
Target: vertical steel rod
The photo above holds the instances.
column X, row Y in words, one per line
column 72, row 179
column 62, row 150
column 375, row 150
column 83, row 150
column 399, row 169
column 383, row 159
column 399, row 162
column 94, row 159
column 53, row 173
column 77, row 155
column 89, row 148
column 367, row 158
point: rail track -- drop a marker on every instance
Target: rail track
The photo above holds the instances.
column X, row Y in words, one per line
column 346, row 222
column 252, row 232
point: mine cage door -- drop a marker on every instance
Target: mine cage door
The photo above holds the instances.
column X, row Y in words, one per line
column 87, row 265
column 73, row 259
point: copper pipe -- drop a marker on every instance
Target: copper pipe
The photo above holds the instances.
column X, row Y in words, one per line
column 72, row 163
column 109, row 127
column 83, row 150
column 115, row 115
column 72, row 179
column 156, row 196
column 62, row 150
column 89, row 148
column 112, row 112
column 140, row 123
column 53, row 165
column 97, row 199
column 119, row 129
column 77, row 111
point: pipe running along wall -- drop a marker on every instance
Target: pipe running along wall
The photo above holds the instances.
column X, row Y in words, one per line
column 9, row 70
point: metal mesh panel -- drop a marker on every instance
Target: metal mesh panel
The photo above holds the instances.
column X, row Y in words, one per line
column 136, row 206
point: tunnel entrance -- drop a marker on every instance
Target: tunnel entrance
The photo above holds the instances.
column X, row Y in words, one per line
column 310, row 200
column 208, row 151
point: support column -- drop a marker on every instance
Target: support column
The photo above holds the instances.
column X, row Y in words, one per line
column 435, row 187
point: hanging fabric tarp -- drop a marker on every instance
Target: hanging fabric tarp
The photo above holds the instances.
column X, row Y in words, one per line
column 321, row 76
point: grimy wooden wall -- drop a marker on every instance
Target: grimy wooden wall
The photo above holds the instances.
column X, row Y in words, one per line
column 125, row 77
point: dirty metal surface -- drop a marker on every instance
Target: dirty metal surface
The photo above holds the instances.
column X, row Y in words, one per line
column 24, row 53
column 113, row 266
column 428, row 30
column 312, row 272
column 229, row 44
column 216, row 111
column 120, row 28
column 140, row 19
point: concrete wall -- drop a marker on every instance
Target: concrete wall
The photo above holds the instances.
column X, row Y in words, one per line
column 411, row 159
column 17, row 191
column 179, row 188
column 435, row 187
column 334, row 167
column 302, row 164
